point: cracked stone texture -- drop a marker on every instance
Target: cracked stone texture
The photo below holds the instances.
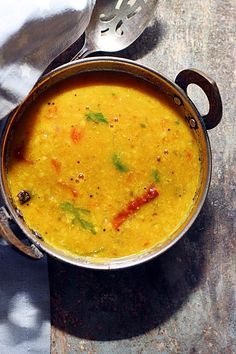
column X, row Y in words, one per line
column 184, row 301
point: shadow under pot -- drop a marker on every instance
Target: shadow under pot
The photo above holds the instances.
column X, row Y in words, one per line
column 107, row 163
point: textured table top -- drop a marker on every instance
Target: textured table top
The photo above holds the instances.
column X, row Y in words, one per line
column 184, row 301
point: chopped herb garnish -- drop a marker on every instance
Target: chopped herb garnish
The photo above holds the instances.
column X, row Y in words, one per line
column 70, row 208
column 76, row 212
column 142, row 125
column 156, row 175
column 119, row 164
column 87, row 225
column 84, row 211
column 96, row 117
column 177, row 122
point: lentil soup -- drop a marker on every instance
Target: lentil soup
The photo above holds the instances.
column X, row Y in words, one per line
column 99, row 165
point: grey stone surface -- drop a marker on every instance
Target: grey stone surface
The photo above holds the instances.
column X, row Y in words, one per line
column 184, row 301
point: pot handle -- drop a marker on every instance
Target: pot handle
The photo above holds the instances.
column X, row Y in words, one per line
column 6, row 232
column 194, row 76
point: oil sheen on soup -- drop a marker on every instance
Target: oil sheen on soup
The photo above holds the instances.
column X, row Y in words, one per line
column 103, row 165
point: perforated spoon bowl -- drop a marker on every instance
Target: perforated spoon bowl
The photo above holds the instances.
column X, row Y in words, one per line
column 115, row 24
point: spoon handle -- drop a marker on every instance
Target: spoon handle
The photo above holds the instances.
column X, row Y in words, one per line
column 83, row 52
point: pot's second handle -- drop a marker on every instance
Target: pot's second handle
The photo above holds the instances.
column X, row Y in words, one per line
column 194, row 76
column 6, row 232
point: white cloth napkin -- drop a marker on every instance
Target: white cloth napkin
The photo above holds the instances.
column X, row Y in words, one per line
column 24, row 303
column 32, row 34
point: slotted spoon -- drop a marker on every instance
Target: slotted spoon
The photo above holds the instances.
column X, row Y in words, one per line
column 115, row 24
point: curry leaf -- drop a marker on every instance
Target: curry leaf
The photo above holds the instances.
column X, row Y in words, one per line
column 87, row 226
column 119, row 164
column 156, row 175
column 76, row 212
column 68, row 207
column 96, row 117
column 83, row 211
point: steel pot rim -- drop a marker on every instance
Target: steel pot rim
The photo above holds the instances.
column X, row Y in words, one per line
column 114, row 263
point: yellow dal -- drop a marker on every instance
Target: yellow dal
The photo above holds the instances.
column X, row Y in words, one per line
column 70, row 164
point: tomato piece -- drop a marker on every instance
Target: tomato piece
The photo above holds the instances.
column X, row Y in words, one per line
column 75, row 135
column 57, row 165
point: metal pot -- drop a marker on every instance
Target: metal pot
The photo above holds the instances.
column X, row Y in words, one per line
column 177, row 92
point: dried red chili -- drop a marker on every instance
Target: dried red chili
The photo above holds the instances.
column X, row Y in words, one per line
column 150, row 194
